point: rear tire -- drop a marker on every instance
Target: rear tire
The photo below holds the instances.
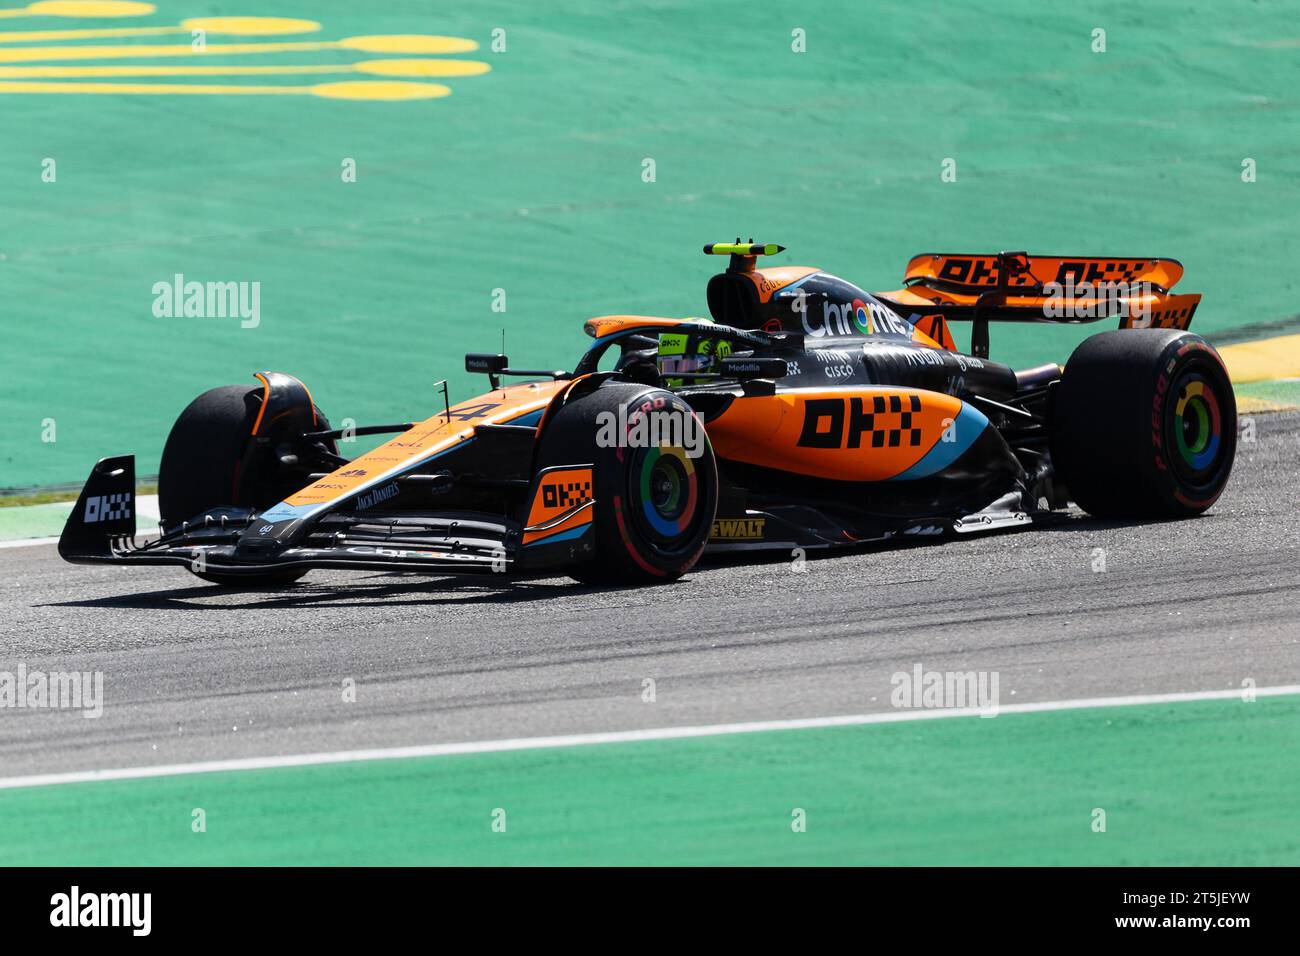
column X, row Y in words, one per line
column 1144, row 424
column 654, row 505
column 201, row 465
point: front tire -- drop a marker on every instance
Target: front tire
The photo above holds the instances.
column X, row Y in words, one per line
column 1144, row 424
column 655, row 504
column 203, row 468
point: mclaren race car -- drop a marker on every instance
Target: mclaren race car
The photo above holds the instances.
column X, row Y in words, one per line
column 807, row 413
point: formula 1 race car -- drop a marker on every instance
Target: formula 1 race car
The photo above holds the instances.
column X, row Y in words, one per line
column 807, row 413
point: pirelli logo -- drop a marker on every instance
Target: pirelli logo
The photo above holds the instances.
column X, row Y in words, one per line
column 881, row 421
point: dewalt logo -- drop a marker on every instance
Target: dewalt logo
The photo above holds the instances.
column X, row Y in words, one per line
column 737, row 529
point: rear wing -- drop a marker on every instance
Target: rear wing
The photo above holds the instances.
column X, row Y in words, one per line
column 1018, row 287
column 976, row 273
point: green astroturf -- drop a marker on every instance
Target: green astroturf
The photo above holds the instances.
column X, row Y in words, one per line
column 1207, row 783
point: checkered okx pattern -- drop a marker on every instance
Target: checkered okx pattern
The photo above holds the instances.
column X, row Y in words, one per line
column 882, row 435
column 837, row 423
column 1172, row 318
column 112, row 507
column 566, row 494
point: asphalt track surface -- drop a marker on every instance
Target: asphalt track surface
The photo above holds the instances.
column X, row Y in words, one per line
column 192, row 672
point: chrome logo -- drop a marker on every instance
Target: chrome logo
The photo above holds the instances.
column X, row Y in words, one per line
column 862, row 316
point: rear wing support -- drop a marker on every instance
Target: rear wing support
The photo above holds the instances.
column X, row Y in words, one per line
column 1009, row 265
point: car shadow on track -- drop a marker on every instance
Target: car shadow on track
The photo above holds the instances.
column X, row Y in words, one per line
column 1048, row 521
column 398, row 589
column 387, row 590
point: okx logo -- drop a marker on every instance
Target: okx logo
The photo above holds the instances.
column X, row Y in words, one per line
column 108, row 507
column 839, row 423
column 563, row 495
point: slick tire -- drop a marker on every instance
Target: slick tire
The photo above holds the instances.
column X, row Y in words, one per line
column 1144, row 424
column 201, row 465
column 654, row 506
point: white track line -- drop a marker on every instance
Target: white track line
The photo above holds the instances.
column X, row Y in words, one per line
column 28, row 542
column 613, row 737
column 141, row 537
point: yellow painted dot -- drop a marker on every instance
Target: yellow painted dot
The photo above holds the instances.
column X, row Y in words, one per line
column 251, row 26
column 409, row 43
column 90, row 8
column 380, row 90
column 423, row 67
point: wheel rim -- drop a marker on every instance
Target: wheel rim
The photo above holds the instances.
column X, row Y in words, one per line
column 1194, row 420
column 667, row 489
column 666, row 483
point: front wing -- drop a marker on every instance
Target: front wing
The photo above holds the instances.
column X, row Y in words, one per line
column 102, row 529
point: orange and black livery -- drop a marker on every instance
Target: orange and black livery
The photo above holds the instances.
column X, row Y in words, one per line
column 804, row 412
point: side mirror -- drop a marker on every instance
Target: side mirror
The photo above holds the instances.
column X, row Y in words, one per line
column 751, row 368
column 485, row 362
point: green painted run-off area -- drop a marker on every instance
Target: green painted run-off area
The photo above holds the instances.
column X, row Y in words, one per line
column 1208, row 783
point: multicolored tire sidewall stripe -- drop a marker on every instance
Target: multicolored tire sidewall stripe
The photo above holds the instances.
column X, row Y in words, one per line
column 669, row 490
column 1198, row 422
